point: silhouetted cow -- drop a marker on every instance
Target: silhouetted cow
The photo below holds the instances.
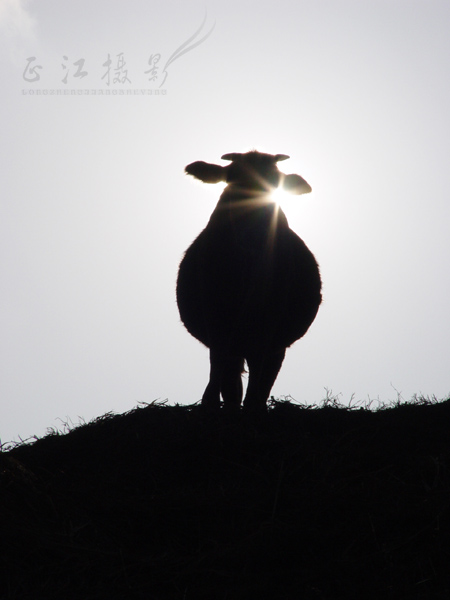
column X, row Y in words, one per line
column 248, row 287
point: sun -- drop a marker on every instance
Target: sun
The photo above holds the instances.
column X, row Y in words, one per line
column 280, row 196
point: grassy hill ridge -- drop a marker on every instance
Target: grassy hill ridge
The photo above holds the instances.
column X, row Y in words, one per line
column 169, row 503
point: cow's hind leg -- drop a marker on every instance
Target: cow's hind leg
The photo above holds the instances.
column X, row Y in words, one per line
column 211, row 395
column 263, row 370
column 225, row 378
column 231, row 383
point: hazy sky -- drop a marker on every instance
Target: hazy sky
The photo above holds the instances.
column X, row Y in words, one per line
column 96, row 212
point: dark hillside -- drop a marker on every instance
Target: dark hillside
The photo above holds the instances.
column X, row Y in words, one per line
column 167, row 503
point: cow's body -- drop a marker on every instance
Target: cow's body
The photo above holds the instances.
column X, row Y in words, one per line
column 248, row 288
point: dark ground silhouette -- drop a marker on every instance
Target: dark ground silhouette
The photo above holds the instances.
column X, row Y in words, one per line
column 167, row 503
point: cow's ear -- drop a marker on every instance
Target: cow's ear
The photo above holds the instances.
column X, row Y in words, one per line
column 206, row 172
column 296, row 184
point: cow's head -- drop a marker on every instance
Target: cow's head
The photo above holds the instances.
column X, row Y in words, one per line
column 253, row 171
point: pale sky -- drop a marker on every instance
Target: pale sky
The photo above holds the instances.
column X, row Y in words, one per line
column 96, row 211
